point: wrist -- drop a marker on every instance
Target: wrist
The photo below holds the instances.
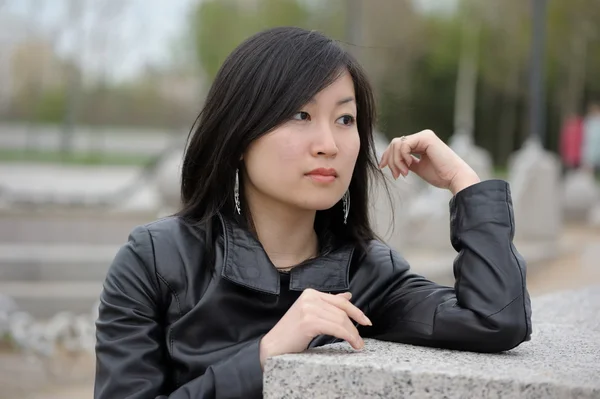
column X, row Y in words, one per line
column 265, row 351
column 463, row 180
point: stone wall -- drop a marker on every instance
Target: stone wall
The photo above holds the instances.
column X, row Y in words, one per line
column 561, row 361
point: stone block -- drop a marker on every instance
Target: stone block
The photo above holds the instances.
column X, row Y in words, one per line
column 580, row 193
column 534, row 176
column 594, row 215
column 429, row 220
column 561, row 361
column 476, row 157
column 429, row 213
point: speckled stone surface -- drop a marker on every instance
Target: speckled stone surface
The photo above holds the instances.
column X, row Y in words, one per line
column 580, row 309
column 561, row 361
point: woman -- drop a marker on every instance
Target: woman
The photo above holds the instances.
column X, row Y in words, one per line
column 272, row 251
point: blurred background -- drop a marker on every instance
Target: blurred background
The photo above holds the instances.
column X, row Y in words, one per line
column 97, row 98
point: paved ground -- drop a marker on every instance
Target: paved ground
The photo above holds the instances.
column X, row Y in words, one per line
column 578, row 268
column 84, row 391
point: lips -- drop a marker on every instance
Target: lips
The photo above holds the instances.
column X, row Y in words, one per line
column 322, row 175
column 323, row 172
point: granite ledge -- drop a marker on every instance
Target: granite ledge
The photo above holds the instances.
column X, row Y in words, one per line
column 580, row 308
column 561, row 361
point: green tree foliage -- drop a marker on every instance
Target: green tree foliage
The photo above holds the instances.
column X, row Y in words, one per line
column 218, row 26
column 51, row 107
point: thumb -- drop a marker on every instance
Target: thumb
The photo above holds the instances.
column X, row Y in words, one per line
column 347, row 295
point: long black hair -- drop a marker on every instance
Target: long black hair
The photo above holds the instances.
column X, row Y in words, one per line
column 262, row 84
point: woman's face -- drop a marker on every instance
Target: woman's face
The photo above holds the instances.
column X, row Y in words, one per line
column 308, row 161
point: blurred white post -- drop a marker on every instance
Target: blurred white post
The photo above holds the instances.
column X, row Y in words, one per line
column 534, row 173
column 462, row 140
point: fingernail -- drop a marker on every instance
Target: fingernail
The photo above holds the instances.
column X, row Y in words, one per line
column 366, row 319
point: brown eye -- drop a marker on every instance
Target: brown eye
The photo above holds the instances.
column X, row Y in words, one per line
column 347, row 120
column 301, row 116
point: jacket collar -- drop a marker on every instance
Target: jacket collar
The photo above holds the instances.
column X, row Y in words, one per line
column 246, row 263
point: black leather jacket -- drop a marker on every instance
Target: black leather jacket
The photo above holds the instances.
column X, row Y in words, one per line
column 170, row 327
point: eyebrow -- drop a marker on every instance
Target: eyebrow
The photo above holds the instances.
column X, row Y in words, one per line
column 345, row 100
column 340, row 102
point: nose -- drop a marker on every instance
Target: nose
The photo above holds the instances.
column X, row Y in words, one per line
column 324, row 143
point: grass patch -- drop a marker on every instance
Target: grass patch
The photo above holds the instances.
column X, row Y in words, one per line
column 74, row 158
column 500, row 173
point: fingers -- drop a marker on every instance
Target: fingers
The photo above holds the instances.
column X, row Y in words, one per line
column 345, row 305
column 329, row 327
column 399, row 168
column 329, row 316
column 418, row 143
column 399, row 154
column 322, row 313
column 393, row 158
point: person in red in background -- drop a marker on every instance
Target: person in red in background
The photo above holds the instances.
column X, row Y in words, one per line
column 571, row 139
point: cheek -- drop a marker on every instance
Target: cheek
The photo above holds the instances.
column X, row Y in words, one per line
column 288, row 151
column 274, row 157
column 351, row 147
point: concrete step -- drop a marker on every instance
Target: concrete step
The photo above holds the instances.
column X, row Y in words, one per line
column 72, row 226
column 55, row 262
column 44, row 300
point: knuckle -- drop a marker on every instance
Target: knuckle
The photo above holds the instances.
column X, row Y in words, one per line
column 307, row 308
column 307, row 321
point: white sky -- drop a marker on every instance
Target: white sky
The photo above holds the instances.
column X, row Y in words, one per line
column 132, row 32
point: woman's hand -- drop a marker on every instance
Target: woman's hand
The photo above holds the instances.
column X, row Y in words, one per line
column 314, row 313
column 437, row 164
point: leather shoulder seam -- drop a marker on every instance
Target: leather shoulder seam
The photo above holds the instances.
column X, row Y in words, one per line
column 165, row 282
column 158, row 276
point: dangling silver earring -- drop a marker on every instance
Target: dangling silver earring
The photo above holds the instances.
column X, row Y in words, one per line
column 346, row 204
column 236, row 192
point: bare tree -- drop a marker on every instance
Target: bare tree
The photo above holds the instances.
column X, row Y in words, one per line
column 108, row 17
column 74, row 19
column 35, row 82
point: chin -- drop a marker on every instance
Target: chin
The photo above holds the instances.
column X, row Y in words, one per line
column 319, row 204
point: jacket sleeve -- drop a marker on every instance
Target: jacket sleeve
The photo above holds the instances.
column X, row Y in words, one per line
column 489, row 309
column 132, row 359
